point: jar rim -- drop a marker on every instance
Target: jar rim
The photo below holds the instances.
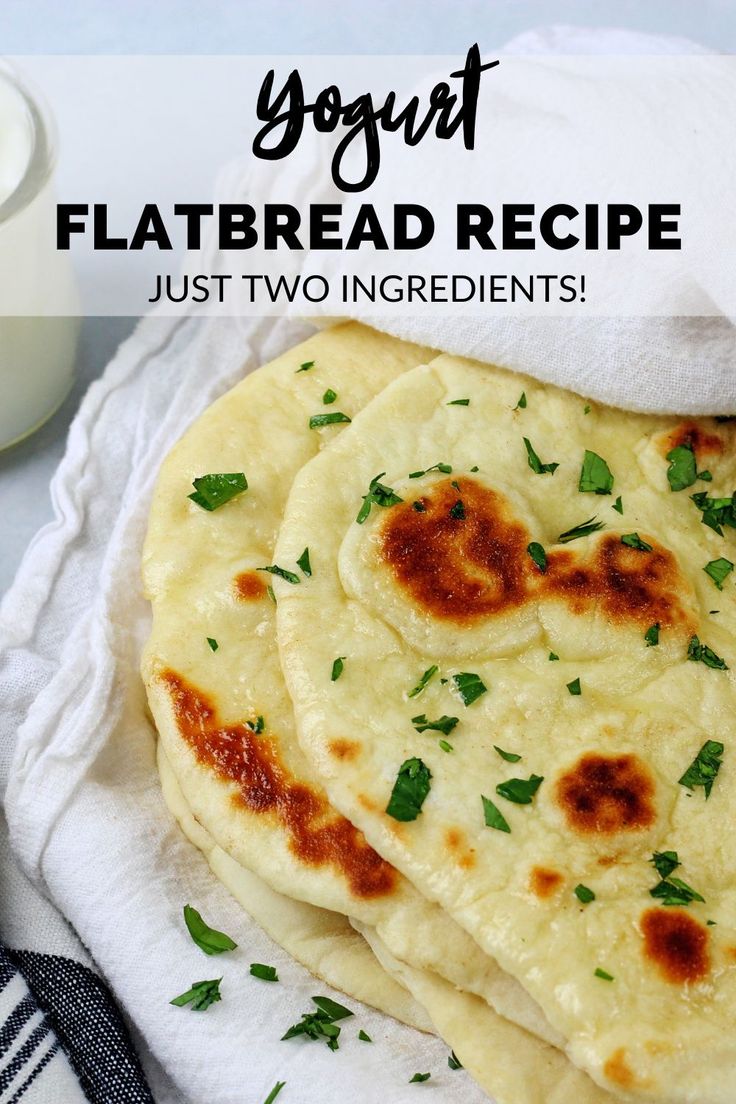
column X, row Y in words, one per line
column 42, row 158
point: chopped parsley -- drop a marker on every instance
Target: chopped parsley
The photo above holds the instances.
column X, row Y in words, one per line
column 595, row 474
column 583, row 894
column 493, row 816
column 682, row 471
column 459, row 402
column 603, row 974
column 364, row 1036
column 716, row 511
column 329, row 396
column 574, row 687
column 274, row 1092
column 633, row 540
column 665, row 863
column 586, row 409
column 334, row 416
column 338, row 666
column 584, row 529
column 418, row 1077
column 445, row 746
column 538, row 555
column 274, row 569
column 458, row 510
column 674, row 892
column 701, row 653
column 320, row 1025
column 213, row 491
column 200, row 996
column 428, row 674
column 208, row 939
column 410, row 790
column 704, row 768
column 520, row 790
column 652, row 635
column 453, row 1061
column 265, row 973
column 256, row 726
column 535, row 463
column 419, row 507
column 552, row 657
column 212, row 643
column 446, row 469
column 521, row 404
column 443, row 724
column 719, row 570
column 618, row 505
column 509, row 756
column 378, row 495
column 305, row 366
column 470, row 686
column 303, row 562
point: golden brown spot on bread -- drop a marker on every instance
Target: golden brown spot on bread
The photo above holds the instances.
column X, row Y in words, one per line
column 676, row 944
column 693, row 435
column 317, row 835
column 618, row 1071
column 544, row 883
column 607, row 860
column 731, row 953
column 467, row 861
column 464, row 569
column 605, row 794
column 454, row 838
column 249, row 586
column 345, row 749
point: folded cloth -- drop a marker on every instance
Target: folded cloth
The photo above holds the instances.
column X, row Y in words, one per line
column 84, row 808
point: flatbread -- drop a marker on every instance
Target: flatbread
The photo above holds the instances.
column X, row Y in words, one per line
column 456, row 588
column 323, row 941
column 255, row 792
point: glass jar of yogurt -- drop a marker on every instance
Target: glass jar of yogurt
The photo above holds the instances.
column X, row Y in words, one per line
column 38, row 297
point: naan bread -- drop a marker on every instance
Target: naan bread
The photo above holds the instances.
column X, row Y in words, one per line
column 255, row 792
column 429, row 582
column 322, row 941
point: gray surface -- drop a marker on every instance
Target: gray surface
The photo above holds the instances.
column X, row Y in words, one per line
column 25, row 470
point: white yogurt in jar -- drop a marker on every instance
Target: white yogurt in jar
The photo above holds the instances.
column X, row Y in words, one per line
column 38, row 299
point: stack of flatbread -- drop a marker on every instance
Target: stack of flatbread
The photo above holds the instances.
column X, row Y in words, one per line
column 440, row 665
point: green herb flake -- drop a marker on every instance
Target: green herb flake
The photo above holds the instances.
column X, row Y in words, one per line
column 633, row 540
column 208, row 939
column 338, row 666
column 305, row 366
column 682, row 471
column 706, row 476
column 418, row 1077
column 673, row 892
column 652, row 635
column 419, row 507
column 271, row 595
column 458, row 511
column 586, row 409
column 701, row 653
column 333, row 418
column 212, row 643
column 445, row 746
column 256, row 726
column 521, row 404
column 618, row 505
column 274, row 1092
column 583, row 894
column 716, row 512
column 364, row 1036
column 453, row 1061
column 711, row 923
column 535, row 463
column 603, row 974
column 443, row 724
column 378, row 495
column 329, row 397
column 574, row 687
column 584, row 529
column 469, row 686
column 552, row 657
column 595, row 474
column 263, row 972
column 719, row 570
column 303, row 562
column 214, row 490
column 201, row 995
column 509, row 756
column 274, row 569
column 428, row 674
column 446, row 469
column 538, row 555
column 410, row 790
column 459, row 402
column 493, row 816
column 475, row 468
column 320, row 1025
column 704, row 768
column 520, row 790
column 665, row 863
